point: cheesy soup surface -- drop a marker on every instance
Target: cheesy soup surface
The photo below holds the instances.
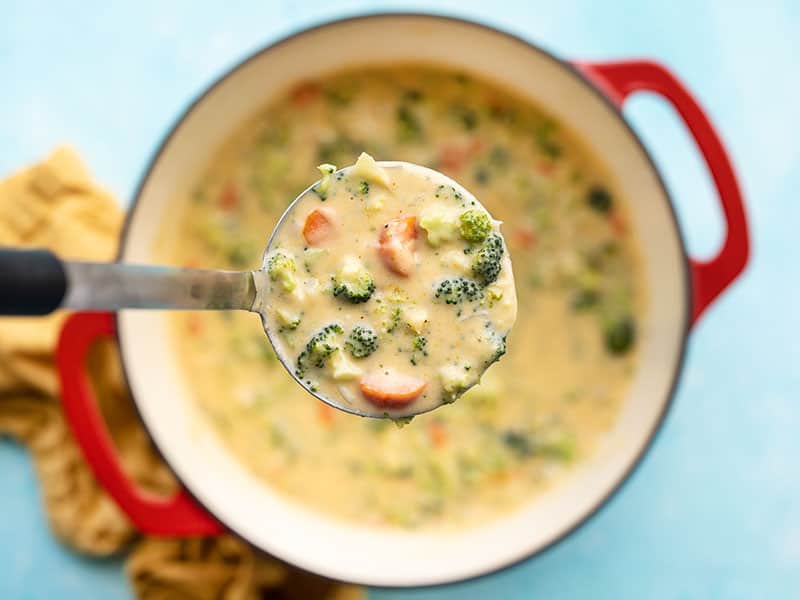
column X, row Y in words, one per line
column 369, row 316
column 571, row 354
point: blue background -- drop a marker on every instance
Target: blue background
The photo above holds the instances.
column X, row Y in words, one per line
column 714, row 510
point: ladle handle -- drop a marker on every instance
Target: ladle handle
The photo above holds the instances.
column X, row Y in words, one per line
column 32, row 282
column 37, row 282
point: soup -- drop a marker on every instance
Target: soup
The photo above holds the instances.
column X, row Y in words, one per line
column 370, row 317
column 572, row 352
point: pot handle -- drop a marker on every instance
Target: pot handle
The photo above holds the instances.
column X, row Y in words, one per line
column 178, row 515
column 618, row 80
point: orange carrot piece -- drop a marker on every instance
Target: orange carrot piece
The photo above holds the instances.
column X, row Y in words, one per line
column 318, row 226
column 438, row 434
column 523, row 237
column 194, row 325
column 617, row 223
column 229, row 197
column 453, row 157
column 396, row 245
column 389, row 389
column 325, row 414
column 305, row 92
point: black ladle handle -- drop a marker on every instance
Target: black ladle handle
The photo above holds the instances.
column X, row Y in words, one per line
column 32, row 282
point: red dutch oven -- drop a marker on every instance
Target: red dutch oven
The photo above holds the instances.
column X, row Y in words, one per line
column 218, row 493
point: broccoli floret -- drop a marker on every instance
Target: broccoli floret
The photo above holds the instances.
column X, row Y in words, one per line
column 620, row 334
column 353, row 282
column 409, row 128
column 288, row 320
column 399, row 422
column 498, row 345
column 362, row 341
column 584, row 299
column 487, row 262
column 281, row 268
column 319, row 349
column 458, row 290
column 394, row 320
column 466, row 116
column 526, row 444
column 474, row 225
column 599, row 199
column 363, row 187
column 419, row 345
column 321, row 189
column 518, row 443
column 456, row 380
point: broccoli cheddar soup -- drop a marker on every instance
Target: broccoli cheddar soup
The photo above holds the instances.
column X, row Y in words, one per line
column 570, row 356
column 375, row 321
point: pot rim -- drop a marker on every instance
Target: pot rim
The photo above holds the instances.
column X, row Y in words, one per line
column 667, row 401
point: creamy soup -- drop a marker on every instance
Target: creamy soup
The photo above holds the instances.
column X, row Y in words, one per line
column 373, row 320
column 572, row 351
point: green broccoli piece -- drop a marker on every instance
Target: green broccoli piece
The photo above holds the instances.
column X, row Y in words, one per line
column 399, row 422
column 466, row 116
column 419, row 344
column 458, row 290
column 599, row 199
column 281, row 268
column 456, row 380
column 363, row 187
column 353, row 282
column 409, row 128
column 517, row 442
column 319, row 349
column 362, row 341
column 488, row 259
column 620, row 334
column 524, row 444
column 289, row 321
column 584, row 299
column 498, row 344
column 321, row 189
column 394, row 320
column 474, row 225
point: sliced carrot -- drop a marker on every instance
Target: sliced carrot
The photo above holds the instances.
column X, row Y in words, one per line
column 437, row 433
column 545, row 167
column 325, row 414
column 617, row 223
column 318, row 226
column 229, row 197
column 304, row 92
column 396, row 245
column 523, row 237
column 453, row 157
column 390, row 389
column 194, row 325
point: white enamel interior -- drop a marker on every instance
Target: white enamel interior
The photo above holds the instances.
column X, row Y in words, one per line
column 341, row 550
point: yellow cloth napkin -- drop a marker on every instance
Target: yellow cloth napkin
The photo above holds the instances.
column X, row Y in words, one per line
column 56, row 205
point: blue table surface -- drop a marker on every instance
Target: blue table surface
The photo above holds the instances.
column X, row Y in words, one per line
column 713, row 511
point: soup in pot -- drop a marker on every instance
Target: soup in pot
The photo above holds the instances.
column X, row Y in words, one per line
column 571, row 354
